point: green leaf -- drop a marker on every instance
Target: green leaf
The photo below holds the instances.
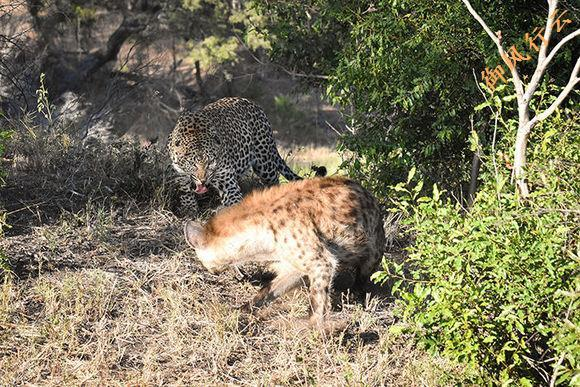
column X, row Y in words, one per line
column 436, row 194
column 482, row 106
column 473, row 141
column 509, row 98
column 410, row 175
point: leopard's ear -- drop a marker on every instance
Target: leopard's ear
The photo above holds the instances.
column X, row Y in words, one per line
column 193, row 233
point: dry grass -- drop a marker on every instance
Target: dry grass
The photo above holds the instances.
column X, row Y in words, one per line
column 301, row 159
column 125, row 302
column 104, row 291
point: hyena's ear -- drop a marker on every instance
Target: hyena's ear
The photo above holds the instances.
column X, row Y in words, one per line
column 193, row 231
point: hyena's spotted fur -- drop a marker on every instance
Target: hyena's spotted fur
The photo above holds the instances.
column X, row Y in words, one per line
column 309, row 228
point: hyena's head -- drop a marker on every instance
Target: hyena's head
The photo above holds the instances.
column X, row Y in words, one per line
column 207, row 254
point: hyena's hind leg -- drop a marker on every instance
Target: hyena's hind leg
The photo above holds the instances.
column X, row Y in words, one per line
column 370, row 260
column 320, row 276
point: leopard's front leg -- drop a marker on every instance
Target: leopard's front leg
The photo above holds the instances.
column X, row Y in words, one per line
column 187, row 198
column 228, row 189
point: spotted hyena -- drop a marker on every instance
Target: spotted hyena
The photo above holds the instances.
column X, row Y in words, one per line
column 310, row 228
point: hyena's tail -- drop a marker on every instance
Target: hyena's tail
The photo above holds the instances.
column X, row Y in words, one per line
column 284, row 169
column 319, row 170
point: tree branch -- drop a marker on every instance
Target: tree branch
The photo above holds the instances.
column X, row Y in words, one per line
column 560, row 44
column 497, row 40
column 96, row 60
column 552, row 6
column 485, row 27
column 12, row 79
column 289, row 72
column 542, row 60
column 68, row 75
column 574, row 79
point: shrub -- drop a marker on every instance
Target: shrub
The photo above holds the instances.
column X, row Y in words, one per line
column 66, row 173
column 497, row 286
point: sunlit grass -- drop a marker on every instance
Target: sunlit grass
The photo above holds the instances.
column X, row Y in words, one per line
column 303, row 158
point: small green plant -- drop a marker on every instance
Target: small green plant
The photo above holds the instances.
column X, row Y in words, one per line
column 85, row 15
column 4, row 136
column 43, row 105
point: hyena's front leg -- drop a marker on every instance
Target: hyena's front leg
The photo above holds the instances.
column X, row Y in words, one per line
column 283, row 283
column 228, row 189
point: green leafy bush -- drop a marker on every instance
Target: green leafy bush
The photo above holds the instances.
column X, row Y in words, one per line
column 403, row 73
column 214, row 51
column 497, row 286
column 225, row 29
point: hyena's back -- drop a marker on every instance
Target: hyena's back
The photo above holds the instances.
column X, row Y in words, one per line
column 302, row 217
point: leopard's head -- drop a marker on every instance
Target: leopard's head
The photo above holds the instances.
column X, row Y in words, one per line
column 196, row 153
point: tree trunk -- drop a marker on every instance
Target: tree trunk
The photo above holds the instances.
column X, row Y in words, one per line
column 62, row 75
column 520, row 149
column 526, row 93
column 199, row 80
column 475, row 164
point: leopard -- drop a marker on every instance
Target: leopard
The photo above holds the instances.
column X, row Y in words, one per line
column 218, row 144
column 308, row 230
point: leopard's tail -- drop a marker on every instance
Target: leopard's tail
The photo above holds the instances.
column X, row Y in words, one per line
column 285, row 170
